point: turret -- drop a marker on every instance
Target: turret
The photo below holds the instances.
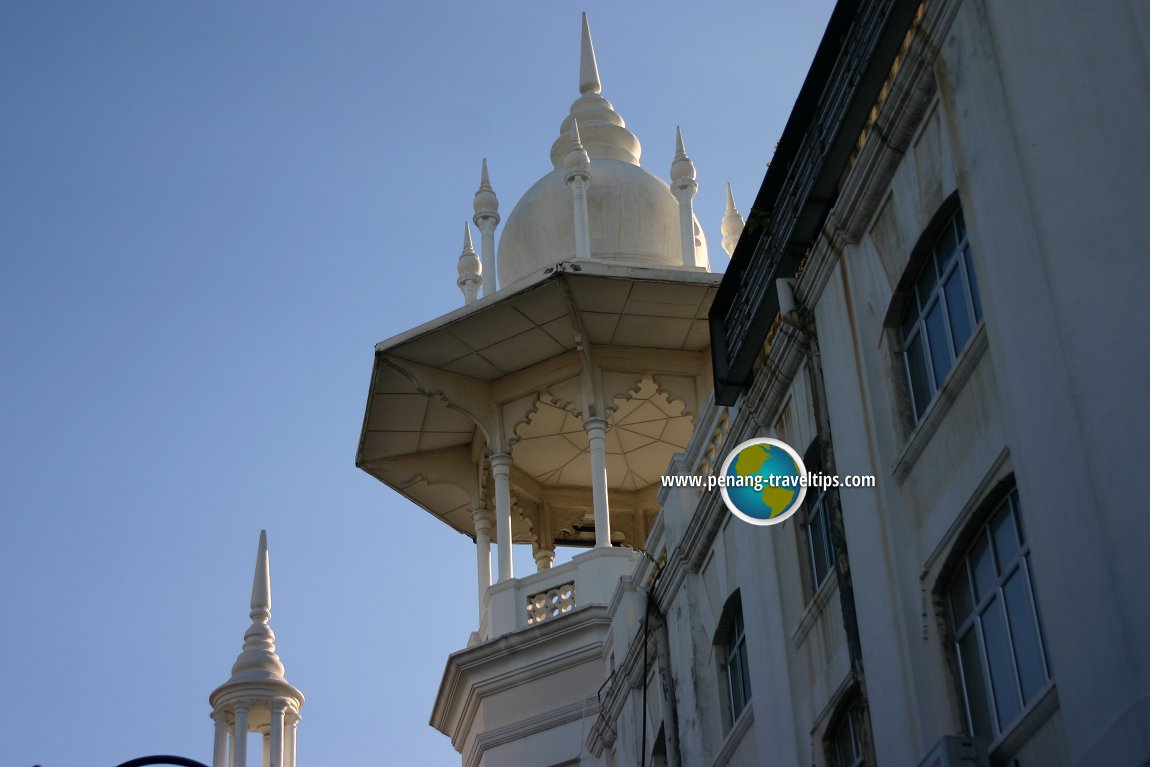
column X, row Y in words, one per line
column 257, row 697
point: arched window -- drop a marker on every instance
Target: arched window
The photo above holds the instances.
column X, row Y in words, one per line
column 844, row 736
column 938, row 305
column 998, row 645
column 731, row 644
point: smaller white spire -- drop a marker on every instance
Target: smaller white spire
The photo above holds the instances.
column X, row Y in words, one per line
column 576, row 161
column 578, row 165
column 486, row 206
column 732, row 224
column 682, row 168
column 469, row 268
column 684, row 187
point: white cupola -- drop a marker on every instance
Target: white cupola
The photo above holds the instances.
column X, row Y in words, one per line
column 633, row 219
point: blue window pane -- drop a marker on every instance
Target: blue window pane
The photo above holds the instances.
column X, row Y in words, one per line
column 998, row 658
column 819, row 538
column 961, row 601
column 1005, row 538
column 916, row 371
column 1024, row 630
column 926, row 283
column 945, row 248
column 940, row 355
column 956, row 306
column 974, row 685
column 982, row 567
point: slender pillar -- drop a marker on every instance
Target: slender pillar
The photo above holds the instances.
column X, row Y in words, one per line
column 276, row 736
column 578, row 177
column 597, row 441
column 220, row 747
column 684, row 187
column 501, row 470
column 486, row 206
column 289, row 741
column 240, row 736
column 267, row 748
column 544, row 558
column 483, row 519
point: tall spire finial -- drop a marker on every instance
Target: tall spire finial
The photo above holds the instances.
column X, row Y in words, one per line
column 259, row 653
column 588, row 67
column 732, row 224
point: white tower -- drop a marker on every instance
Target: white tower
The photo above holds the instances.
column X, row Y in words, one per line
column 257, row 698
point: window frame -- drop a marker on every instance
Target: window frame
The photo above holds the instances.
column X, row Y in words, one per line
column 849, row 718
column 816, row 521
column 913, row 307
column 979, row 687
column 730, row 640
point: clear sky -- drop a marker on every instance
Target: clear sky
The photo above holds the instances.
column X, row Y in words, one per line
column 209, row 213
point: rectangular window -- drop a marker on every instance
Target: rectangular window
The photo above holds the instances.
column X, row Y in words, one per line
column 997, row 633
column 819, row 546
column 735, row 664
column 942, row 311
column 845, row 743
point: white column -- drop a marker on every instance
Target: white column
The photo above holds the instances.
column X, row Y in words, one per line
column 220, row 747
column 487, row 226
column 596, row 437
column 267, row 749
column 684, row 187
column 687, row 226
column 276, row 739
column 289, row 744
column 582, row 232
column 240, row 736
column 482, row 519
column 501, row 470
column 544, row 558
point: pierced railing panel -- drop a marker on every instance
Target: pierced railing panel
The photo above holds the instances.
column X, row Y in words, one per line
column 551, row 603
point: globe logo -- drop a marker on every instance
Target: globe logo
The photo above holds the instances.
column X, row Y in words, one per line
column 763, row 481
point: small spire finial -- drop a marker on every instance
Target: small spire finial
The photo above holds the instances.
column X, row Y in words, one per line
column 732, row 224
column 485, row 202
column 588, row 67
column 682, row 169
column 576, row 160
column 469, row 268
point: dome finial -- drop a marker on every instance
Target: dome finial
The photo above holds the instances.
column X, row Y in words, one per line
column 258, row 658
column 469, row 268
column 588, row 67
column 732, row 224
column 682, row 169
column 605, row 133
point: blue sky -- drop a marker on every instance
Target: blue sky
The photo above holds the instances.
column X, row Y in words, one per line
column 209, row 213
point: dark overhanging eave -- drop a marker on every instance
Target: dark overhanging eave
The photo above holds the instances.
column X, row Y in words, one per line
column 734, row 374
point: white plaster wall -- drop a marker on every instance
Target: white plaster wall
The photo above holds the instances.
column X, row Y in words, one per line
column 1048, row 108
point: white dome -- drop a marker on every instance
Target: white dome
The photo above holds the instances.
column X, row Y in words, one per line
column 632, row 215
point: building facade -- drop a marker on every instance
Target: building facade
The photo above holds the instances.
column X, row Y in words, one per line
column 938, row 286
